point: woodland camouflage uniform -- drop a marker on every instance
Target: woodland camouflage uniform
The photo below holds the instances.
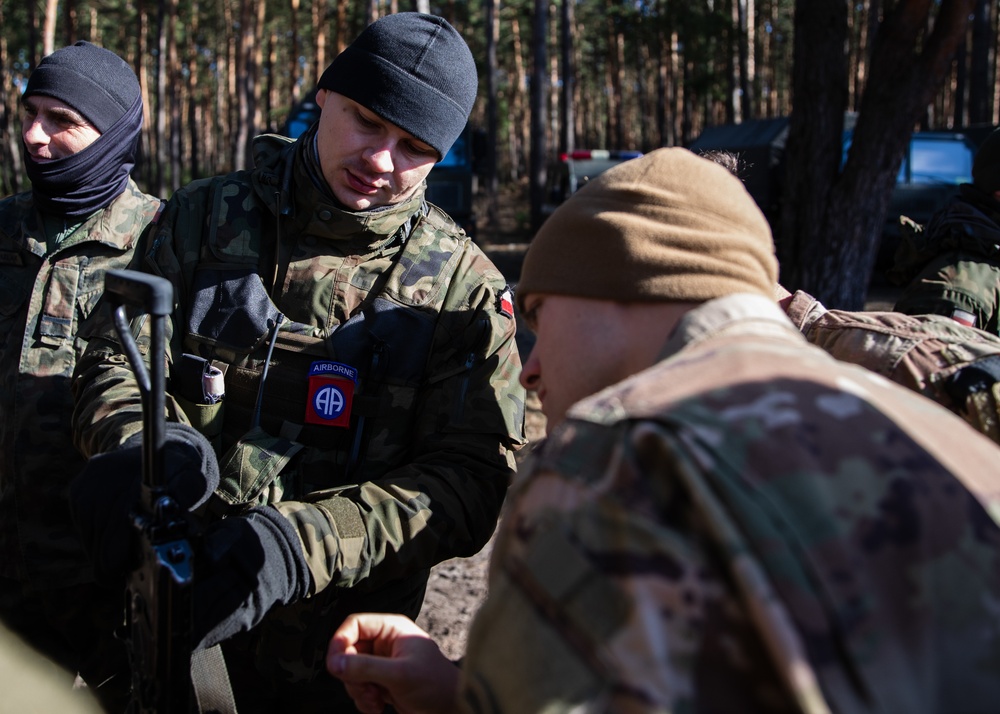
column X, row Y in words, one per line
column 399, row 294
column 48, row 300
column 953, row 263
column 955, row 365
column 747, row 526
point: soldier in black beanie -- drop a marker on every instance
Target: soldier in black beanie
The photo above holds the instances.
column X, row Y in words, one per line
column 371, row 407
column 82, row 113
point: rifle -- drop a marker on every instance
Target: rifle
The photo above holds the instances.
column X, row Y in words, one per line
column 158, row 593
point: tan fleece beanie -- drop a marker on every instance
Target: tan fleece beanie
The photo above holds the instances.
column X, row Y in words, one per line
column 668, row 226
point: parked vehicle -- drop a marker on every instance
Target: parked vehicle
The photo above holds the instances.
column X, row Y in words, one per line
column 572, row 171
column 935, row 164
column 451, row 184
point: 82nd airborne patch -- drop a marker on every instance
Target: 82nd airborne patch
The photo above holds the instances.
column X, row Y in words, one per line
column 331, row 392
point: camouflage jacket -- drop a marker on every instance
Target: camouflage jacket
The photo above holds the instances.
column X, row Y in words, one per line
column 747, row 526
column 956, row 366
column 410, row 321
column 956, row 266
column 48, row 307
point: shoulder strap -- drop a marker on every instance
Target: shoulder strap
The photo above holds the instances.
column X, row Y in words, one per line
column 210, row 679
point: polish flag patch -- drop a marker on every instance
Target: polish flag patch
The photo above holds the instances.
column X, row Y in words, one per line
column 963, row 317
column 505, row 302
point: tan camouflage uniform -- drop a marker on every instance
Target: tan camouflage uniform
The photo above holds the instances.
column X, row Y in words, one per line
column 48, row 299
column 954, row 263
column 747, row 526
column 956, row 366
column 421, row 474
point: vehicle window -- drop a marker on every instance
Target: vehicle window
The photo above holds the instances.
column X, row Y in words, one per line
column 297, row 126
column 456, row 155
column 935, row 161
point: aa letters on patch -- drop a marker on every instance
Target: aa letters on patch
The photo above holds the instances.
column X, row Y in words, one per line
column 331, row 391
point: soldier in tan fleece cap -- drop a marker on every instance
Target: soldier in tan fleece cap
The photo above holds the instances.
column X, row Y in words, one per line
column 734, row 521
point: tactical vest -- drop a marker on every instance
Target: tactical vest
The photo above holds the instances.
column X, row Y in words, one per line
column 378, row 357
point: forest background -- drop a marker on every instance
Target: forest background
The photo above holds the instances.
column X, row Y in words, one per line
column 563, row 74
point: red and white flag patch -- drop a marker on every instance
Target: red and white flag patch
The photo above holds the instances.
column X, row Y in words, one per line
column 963, row 317
column 505, row 302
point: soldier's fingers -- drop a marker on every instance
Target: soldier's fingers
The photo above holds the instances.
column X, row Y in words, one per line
column 372, row 633
column 362, row 669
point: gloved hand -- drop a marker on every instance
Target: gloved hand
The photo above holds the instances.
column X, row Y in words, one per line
column 103, row 495
column 244, row 566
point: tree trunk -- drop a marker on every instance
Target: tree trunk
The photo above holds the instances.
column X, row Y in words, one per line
column 175, row 100
column 491, row 10
column 981, row 79
column 69, row 22
column 539, row 95
column 194, row 93
column 832, row 220
column 293, row 51
column 10, row 153
column 319, row 13
column 49, row 29
column 567, row 139
column 160, row 134
column 244, row 86
column 522, row 121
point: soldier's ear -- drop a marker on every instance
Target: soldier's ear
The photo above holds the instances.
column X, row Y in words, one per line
column 321, row 95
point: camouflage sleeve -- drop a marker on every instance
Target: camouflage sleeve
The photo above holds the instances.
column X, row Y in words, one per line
column 468, row 420
column 108, row 408
column 602, row 596
column 955, row 281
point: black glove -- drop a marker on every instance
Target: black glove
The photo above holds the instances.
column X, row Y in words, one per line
column 244, row 566
column 104, row 494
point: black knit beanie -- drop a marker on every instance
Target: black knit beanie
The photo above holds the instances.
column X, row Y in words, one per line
column 413, row 70
column 96, row 82
column 986, row 166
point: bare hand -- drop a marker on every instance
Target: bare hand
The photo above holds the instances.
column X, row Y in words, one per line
column 388, row 660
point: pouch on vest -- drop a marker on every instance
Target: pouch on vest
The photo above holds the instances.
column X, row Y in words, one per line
column 230, row 309
column 248, row 473
column 198, row 387
column 407, row 333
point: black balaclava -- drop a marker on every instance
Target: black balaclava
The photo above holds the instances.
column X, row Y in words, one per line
column 104, row 89
column 413, row 70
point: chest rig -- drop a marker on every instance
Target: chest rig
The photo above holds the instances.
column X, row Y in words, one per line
column 271, row 443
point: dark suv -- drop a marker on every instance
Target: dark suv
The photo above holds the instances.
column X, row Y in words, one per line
column 451, row 184
column 935, row 163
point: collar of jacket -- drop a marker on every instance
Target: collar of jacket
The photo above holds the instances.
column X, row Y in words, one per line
column 738, row 313
column 282, row 180
column 117, row 225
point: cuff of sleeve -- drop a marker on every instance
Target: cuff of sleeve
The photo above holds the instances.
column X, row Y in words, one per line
column 333, row 539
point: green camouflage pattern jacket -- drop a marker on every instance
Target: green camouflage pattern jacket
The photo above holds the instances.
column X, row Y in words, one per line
column 747, row 526
column 406, row 317
column 48, row 311
column 956, row 366
column 952, row 266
